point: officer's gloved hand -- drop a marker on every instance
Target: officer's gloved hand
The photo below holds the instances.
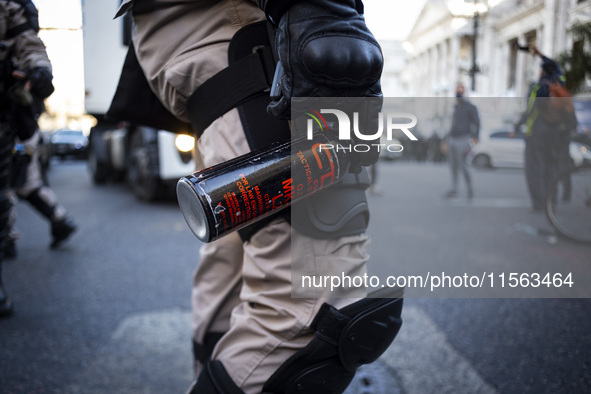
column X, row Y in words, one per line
column 326, row 50
column 40, row 79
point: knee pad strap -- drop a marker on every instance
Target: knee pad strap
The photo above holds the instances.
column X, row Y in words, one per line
column 244, row 84
column 202, row 352
column 214, row 379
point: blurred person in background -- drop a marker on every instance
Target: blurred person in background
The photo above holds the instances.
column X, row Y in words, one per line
column 546, row 146
column 28, row 185
column 25, row 70
column 464, row 131
column 27, row 181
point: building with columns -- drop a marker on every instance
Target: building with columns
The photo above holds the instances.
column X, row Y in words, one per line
column 476, row 42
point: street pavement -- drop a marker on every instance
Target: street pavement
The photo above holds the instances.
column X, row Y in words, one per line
column 109, row 312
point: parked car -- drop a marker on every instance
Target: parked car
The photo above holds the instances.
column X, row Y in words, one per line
column 69, row 143
column 500, row 149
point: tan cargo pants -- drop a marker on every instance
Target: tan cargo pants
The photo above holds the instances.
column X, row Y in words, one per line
column 243, row 289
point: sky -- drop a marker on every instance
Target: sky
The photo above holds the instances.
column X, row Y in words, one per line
column 387, row 19
column 64, row 14
column 392, row 19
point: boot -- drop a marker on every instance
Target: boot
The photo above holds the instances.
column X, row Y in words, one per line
column 5, row 301
column 61, row 230
column 10, row 252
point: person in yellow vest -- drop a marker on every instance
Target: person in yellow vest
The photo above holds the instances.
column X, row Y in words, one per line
column 542, row 153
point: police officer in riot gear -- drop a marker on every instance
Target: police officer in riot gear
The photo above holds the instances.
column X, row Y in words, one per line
column 210, row 64
column 20, row 49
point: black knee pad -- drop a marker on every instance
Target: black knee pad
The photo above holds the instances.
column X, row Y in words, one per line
column 344, row 340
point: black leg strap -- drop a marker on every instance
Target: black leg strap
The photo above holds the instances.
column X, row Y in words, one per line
column 202, row 353
column 214, row 379
column 248, row 76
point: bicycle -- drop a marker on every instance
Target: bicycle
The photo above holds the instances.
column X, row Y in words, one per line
column 568, row 204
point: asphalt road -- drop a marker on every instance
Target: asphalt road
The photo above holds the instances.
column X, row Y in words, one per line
column 109, row 312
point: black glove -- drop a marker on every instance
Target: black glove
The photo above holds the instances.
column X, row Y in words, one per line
column 326, row 50
column 41, row 84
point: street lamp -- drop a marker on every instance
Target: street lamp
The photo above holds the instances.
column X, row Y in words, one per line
column 474, row 69
column 461, row 9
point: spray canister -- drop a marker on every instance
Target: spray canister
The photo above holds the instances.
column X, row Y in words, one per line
column 236, row 193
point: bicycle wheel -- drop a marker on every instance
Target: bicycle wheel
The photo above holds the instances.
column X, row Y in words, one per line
column 568, row 206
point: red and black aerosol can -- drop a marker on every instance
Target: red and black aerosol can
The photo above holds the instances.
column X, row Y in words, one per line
column 236, row 193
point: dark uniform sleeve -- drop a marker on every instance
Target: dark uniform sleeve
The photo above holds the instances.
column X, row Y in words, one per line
column 28, row 48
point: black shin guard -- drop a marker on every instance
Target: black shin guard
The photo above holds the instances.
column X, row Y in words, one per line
column 5, row 302
column 6, row 141
column 345, row 339
column 37, row 201
column 5, row 206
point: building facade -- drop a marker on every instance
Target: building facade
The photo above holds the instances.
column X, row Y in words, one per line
column 477, row 43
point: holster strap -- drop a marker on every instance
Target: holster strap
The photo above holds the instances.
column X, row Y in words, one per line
column 230, row 87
